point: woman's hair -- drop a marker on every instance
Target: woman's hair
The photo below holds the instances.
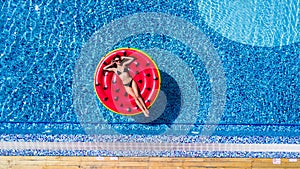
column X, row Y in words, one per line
column 117, row 56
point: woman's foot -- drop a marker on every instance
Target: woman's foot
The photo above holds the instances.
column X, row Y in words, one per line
column 146, row 113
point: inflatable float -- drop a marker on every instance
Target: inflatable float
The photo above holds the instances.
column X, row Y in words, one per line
column 110, row 89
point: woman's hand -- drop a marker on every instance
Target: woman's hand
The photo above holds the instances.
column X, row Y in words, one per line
column 108, row 67
column 128, row 60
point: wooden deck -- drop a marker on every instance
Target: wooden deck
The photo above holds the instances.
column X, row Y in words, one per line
column 45, row 162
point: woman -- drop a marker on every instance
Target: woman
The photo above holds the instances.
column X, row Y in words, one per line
column 120, row 67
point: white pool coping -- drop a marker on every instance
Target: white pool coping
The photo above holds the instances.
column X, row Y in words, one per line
column 133, row 146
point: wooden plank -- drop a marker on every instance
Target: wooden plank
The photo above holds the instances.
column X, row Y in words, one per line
column 227, row 159
column 28, row 163
column 269, row 167
column 95, row 167
column 100, row 163
column 133, row 164
column 218, row 164
column 132, row 167
column 134, row 159
column 165, row 164
column 216, row 167
column 25, row 158
column 66, row 158
column 292, row 165
column 268, row 163
column 39, row 162
column 26, row 167
column 155, row 167
column 43, row 167
column 259, row 164
column 164, row 159
column 3, row 166
column 61, row 167
column 4, row 162
column 46, row 163
column 105, row 167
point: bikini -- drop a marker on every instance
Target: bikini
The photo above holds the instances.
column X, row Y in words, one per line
column 126, row 70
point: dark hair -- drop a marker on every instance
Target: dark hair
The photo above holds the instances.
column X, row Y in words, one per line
column 117, row 56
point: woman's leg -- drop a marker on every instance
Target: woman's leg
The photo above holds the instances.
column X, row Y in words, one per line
column 130, row 91
column 136, row 92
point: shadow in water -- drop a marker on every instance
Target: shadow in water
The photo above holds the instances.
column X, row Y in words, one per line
column 167, row 105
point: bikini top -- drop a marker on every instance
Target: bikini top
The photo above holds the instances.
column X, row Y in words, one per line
column 125, row 70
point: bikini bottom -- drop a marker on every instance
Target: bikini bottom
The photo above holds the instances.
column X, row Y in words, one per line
column 129, row 84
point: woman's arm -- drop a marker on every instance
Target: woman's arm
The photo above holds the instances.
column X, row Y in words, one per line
column 128, row 59
column 109, row 67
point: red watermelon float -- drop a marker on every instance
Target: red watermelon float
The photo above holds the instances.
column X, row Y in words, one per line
column 110, row 89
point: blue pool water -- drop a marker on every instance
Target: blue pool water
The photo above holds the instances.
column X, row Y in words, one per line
column 212, row 84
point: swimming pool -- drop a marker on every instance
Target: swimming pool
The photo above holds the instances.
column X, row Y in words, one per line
column 226, row 90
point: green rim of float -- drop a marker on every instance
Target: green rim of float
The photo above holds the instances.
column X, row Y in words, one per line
column 110, row 90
